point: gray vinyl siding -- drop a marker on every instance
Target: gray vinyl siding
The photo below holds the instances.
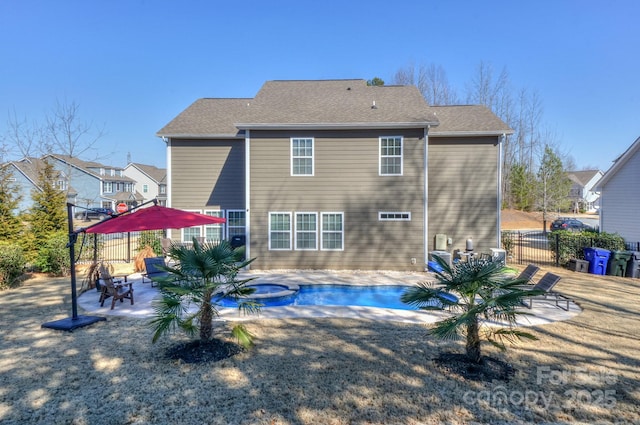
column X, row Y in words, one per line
column 619, row 201
column 345, row 180
column 207, row 174
column 463, row 195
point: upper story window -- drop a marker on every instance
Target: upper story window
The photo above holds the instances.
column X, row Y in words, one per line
column 163, row 189
column 107, row 187
column 302, row 156
column 391, row 156
column 145, row 188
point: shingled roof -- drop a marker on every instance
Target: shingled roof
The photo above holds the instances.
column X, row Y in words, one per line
column 208, row 117
column 329, row 104
column 467, row 119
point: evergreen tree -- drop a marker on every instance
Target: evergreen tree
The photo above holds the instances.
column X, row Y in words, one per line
column 553, row 184
column 48, row 213
column 10, row 224
column 523, row 186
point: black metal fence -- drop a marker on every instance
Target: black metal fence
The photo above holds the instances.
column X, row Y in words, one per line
column 116, row 247
column 557, row 248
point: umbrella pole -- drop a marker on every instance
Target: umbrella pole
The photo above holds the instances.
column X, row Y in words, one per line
column 75, row 321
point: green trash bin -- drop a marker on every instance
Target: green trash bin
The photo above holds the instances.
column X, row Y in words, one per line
column 618, row 263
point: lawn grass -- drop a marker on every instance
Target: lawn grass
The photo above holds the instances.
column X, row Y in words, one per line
column 318, row 371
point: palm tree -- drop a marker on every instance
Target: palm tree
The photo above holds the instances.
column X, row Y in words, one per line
column 202, row 271
column 476, row 292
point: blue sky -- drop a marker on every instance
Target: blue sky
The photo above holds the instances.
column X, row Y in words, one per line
column 133, row 65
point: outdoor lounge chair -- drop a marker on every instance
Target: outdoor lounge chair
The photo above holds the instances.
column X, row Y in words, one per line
column 117, row 290
column 151, row 269
column 528, row 272
column 546, row 284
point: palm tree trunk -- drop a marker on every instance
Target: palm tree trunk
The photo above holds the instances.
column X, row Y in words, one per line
column 206, row 319
column 473, row 342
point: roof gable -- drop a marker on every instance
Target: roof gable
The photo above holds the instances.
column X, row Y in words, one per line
column 619, row 163
column 154, row 173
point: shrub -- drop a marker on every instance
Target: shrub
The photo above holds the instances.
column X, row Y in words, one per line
column 150, row 238
column 12, row 264
column 53, row 257
column 566, row 245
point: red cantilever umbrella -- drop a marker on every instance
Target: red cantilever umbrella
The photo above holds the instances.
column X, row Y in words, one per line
column 155, row 217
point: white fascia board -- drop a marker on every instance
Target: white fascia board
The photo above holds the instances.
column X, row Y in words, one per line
column 436, row 133
column 333, row 126
column 201, row 136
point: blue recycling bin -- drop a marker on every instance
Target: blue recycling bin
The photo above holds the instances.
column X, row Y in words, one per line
column 598, row 259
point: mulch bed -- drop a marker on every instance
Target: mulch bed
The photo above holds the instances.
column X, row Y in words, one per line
column 201, row 352
column 488, row 370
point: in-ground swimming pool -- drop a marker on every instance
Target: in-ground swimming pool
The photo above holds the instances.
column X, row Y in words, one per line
column 272, row 295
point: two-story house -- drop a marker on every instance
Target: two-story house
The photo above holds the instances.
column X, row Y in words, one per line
column 96, row 185
column 151, row 181
column 582, row 194
column 338, row 174
column 25, row 176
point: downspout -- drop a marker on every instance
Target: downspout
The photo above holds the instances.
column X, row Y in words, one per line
column 247, row 194
column 425, row 242
column 499, row 206
column 168, row 143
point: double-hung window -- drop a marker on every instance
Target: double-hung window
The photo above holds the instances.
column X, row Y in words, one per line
column 391, row 156
column 236, row 223
column 214, row 233
column 332, row 231
column 306, row 231
column 189, row 233
column 302, row 156
column 280, row 231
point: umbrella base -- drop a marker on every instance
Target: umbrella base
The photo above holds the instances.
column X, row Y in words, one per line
column 71, row 323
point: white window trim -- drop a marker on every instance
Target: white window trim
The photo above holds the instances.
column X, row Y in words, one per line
column 215, row 226
column 313, row 156
column 182, row 230
column 295, row 238
column 244, row 228
column 380, row 173
column 322, row 214
column 394, row 213
column 290, row 230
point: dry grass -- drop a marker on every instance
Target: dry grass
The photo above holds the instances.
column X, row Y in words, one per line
column 330, row 371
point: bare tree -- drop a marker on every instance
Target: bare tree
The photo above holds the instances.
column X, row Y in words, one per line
column 66, row 134
column 23, row 136
column 432, row 82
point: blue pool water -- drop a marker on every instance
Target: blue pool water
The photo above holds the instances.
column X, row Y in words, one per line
column 387, row 296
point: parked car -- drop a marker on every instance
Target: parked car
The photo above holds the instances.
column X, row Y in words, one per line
column 571, row 224
column 94, row 213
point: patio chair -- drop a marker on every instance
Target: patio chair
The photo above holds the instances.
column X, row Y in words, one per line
column 529, row 272
column 115, row 289
column 151, row 269
column 546, row 284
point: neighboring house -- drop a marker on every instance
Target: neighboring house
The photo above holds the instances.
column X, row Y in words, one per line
column 619, row 201
column 97, row 185
column 151, row 181
column 25, row 176
column 582, row 194
column 338, row 174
